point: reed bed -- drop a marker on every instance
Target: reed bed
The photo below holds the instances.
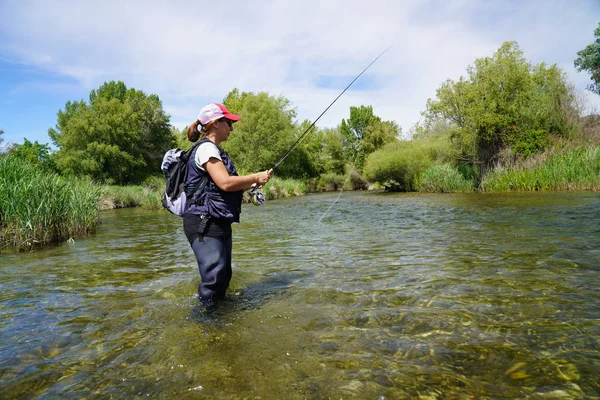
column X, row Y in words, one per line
column 575, row 169
column 39, row 208
column 444, row 179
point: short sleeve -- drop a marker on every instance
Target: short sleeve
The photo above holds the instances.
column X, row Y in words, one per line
column 205, row 152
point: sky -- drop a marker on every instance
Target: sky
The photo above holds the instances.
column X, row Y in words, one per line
column 191, row 53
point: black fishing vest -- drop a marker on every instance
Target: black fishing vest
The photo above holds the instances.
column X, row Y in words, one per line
column 209, row 200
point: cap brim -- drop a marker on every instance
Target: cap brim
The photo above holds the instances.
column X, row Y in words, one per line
column 232, row 117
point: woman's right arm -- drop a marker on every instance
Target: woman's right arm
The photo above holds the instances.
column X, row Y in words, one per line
column 229, row 183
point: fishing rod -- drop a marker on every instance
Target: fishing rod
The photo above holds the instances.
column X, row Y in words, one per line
column 256, row 196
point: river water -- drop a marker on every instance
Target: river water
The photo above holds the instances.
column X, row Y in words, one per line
column 390, row 296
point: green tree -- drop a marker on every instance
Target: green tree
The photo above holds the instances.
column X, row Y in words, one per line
column 40, row 155
column 503, row 103
column 265, row 133
column 353, row 131
column 378, row 134
column 119, row 137
column 181, row 138
column 364, row 132
column 589, row 60
column 309, row 152
column 333, row 157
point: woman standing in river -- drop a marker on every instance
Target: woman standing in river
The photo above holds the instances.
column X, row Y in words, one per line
column 216, row 201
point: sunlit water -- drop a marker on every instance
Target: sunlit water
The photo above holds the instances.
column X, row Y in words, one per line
column 388, row 297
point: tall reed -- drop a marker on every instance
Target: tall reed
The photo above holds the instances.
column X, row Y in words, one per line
column 444, row 179
column 575, row 169
column 38, row 208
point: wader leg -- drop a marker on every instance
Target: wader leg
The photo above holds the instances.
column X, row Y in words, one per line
column 214, row 264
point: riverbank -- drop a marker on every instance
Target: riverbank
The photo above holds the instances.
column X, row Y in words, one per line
column 575, row 168
column 149, row 195
column 38, row 208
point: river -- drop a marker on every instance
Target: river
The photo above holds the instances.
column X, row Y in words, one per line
column 389, row 296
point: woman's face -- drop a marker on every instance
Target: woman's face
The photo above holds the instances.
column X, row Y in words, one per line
column 224, row 128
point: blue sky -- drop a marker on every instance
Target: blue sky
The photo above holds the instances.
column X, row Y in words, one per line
column 190, row 53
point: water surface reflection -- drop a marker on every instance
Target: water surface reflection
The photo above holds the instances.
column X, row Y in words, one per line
column 393, row 296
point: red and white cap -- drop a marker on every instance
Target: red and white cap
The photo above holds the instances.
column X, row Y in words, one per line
column 213, row 111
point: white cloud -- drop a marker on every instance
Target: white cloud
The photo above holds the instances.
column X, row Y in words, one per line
column 191, row 52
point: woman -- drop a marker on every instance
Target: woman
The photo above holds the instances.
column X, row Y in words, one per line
column 214, row 199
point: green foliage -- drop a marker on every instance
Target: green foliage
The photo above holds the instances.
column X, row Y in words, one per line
column 530, row 142
column 354, row 129
column 503, row 102
column 364, row 132
column 333, row 159
column 37, row 207
column 589, row 60
column 398, row 166
column 444, row 179
column 119, row 137
column 181, row 138
column 331, row 181
column 378, row 134
column 575, row 169
column 39, row 155
column 147, row 196
column 264, row 134
column 310, row 157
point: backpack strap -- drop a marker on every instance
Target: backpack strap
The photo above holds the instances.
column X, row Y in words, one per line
column 189, row 191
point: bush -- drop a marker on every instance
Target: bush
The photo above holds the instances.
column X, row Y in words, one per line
column 357, row 180
column 330, row 182
column 399, row 166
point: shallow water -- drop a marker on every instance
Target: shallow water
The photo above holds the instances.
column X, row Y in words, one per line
column 388, row 297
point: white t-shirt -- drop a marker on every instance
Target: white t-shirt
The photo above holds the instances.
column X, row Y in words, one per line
column 205, row 152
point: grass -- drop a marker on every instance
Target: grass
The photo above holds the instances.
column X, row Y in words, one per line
column 444, row 179
column 148, row 196
column 574, row 169
column 39, row 208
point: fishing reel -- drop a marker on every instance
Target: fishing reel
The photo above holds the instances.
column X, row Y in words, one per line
column 257, row 197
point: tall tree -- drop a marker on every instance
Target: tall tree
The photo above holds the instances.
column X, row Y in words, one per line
column 364, row 132
column 353, row 131
column 119, row 137
column 333, row 156
column 589, row 60
column 264, row 134
column 503, row 102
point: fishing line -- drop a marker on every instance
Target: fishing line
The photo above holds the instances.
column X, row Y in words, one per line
column 328, row 107
column 339, row 195
column 256, row 196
